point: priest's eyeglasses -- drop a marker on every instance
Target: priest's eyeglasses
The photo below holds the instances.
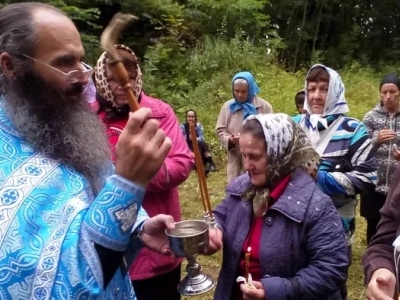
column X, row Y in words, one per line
column 73, row 76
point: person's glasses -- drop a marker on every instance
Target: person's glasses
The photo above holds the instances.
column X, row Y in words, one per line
column 73, row 76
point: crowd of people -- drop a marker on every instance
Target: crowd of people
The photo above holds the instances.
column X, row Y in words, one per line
column 88, row 188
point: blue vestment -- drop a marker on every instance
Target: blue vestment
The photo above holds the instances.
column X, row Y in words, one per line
column 50, row 220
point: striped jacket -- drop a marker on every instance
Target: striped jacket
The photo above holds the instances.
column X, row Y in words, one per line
column 348, row 166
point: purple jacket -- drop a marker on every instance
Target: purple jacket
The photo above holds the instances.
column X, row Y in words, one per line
column 303, row 249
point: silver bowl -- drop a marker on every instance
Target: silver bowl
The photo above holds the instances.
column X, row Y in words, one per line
column 188, row 239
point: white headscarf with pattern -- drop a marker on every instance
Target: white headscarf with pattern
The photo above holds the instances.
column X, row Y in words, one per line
column 288, row 147
column 335, row 101
column 335, row 105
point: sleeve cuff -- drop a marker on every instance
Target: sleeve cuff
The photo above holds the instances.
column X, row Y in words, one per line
column 113, row 214
column 375, row 144
column 372, row 267
column 139, row 224
column 126, row 184
column 276, row 288
column 320, row 179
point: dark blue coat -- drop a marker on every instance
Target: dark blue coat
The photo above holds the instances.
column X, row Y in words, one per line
column 303, row 251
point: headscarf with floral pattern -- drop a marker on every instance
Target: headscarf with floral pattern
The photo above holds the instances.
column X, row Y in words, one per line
column 288, row 147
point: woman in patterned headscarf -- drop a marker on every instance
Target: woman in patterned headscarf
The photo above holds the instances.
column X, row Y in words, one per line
column 348, row 166
column 275, row 210
column 245, row 102
column 149, row 269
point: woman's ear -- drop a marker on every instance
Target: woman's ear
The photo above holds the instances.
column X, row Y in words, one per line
column 7, row 66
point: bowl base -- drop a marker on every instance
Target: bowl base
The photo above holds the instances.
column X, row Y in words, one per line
column 195, row 285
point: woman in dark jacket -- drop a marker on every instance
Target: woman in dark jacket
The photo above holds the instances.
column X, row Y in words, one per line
column 277, row 214
column 383, row 125
column 191, row 117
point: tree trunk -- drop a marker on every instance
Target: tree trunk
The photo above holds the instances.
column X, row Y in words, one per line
column 317, row 29
column 292, row 14
column 300, row 34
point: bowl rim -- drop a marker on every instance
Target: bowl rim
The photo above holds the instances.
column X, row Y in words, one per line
column 186, row 236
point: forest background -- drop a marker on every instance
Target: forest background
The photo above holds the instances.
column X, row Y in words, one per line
column 189, row 51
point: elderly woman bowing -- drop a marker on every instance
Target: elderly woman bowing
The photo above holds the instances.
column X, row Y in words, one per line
column 245, row 102
column 292, row 229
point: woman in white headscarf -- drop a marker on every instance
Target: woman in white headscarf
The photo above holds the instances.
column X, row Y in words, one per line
column 275, row 224
column 348, row 166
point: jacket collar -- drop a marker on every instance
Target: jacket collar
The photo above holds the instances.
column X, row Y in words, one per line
column 294, row 201
column 257, row 101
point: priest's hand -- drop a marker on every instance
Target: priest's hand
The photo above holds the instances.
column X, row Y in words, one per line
column 141, row 149
column 153, row 234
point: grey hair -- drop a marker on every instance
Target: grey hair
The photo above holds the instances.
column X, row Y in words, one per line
column 240, row 81
column 254, row 128
column 17, row 33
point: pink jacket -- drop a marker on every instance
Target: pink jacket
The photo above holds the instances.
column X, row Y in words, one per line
column 162, row 193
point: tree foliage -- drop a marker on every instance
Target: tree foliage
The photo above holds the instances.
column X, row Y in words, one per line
column 294, row 33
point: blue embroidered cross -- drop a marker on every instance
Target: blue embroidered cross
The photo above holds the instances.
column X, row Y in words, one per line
column 40, row 293
column 59, row 234
column 126, row 217
column 9, row 197
column 21, row 181
column 32, row 170
column 70, row 210
column 48, row 263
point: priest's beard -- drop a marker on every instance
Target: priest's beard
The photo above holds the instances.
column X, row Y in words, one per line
column 59, row 124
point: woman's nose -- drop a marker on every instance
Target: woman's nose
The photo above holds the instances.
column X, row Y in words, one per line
column 247, row 164
column 388, row 96
column 317, row 94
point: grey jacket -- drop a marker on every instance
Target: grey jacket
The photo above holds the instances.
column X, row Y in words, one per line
column 375, row 120
column 303, row 251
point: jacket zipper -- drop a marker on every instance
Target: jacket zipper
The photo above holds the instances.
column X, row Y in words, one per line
column 390, row 149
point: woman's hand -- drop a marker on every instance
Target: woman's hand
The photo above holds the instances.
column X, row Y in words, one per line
column 234, row 139
column 312, row 169
column 381, row 286
column 215, row 241
column 396, row 154
column 385, row 135
column 253, row 294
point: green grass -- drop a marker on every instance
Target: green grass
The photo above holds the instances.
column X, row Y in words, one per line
column 192, row 209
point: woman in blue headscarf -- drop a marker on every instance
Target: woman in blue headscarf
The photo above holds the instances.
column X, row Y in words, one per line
column 245, row 102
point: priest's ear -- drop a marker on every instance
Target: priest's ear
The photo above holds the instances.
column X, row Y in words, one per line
column 7, row 66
